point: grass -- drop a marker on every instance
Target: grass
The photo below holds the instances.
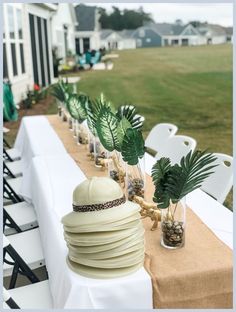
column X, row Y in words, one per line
column 188, row 86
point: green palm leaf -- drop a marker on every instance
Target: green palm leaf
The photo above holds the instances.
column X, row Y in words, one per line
column 193, row 170
column 175, row 182
column 106, row 127
column 129, row 112
column 132, row 146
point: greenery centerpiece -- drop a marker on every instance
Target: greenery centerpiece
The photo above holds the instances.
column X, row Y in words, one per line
column 61, row 91
column 172, row 184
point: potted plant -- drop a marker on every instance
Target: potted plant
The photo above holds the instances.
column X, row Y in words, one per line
column 172, row 184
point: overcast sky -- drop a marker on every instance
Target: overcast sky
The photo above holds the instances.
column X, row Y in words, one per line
column 217, row 13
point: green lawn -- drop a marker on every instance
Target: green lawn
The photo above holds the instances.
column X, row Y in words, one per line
column 188, row 86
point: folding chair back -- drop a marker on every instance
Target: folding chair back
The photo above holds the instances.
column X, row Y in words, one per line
column 220, row 182
column 176, row 147
column 159, row 134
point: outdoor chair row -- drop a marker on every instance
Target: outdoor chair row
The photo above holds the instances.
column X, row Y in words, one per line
column 22, row 250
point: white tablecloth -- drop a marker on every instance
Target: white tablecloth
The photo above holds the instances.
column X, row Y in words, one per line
column 37, row 137
column 49, row 185
column 217, row 217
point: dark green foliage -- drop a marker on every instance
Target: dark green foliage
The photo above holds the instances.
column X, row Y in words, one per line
column 129, row 112
column 172, row 183
column 125, row 19
column 132, row 146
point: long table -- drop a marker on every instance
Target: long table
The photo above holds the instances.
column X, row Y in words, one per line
column 48, row 183
column 52, row 194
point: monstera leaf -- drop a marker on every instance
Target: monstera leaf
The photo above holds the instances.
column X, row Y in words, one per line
column 129, row 112
column 175, row 182
column 106, row 127
column 75, row 108
column 132, row 146
column 122, row 127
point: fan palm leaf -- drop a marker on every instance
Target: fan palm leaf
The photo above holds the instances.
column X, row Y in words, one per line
column 129, row 112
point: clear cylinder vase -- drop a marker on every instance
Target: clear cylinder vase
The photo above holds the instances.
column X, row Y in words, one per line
column 82, row 134
column 173, row 223
column 63, row 115
column 99, row 153
column 74, row 127
column 116, row 168
column 59, row 108
column 135, row 180
column 70, row 123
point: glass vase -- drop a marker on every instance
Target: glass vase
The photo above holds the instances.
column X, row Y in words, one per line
column 82, row 134
column 70, row 123
column 135, row 180
column 99, row 153
column 59, row 108
column 90, row 145
column 74, row 127
column 64, row 116
column 116, row 168
column 173, row 225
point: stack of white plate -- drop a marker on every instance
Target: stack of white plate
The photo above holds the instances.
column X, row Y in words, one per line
column 106, row 243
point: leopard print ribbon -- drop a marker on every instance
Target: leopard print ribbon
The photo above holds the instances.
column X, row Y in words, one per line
column 97, row 207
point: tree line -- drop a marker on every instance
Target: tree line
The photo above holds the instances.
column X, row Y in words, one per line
column 123, row 19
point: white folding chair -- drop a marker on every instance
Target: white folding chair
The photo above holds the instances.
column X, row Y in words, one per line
column 176, row 147
column 19, row 217
column 15, row 167
column 219, row 183
column 159, row 134
column 15, row 184
column 33, row 296
column 28, row 245
column 11, row 154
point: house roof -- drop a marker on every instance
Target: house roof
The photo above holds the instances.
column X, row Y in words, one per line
column 166, row 29
column 85, row 17
column 126, row 33
column 104, row 33
column 216, row 30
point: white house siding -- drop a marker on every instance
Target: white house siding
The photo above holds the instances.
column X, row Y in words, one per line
column 218, row 39
column 24, row 79
column 127, row 44
column 60, row 18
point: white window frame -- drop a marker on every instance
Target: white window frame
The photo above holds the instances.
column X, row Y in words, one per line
column 8, row 41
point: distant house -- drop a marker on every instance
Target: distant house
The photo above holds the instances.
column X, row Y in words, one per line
column 63, row 29
column 229, row 34
column 87, row 31
column 117, row 40
column 27, row 48
column 165, row 34
column 213, row 34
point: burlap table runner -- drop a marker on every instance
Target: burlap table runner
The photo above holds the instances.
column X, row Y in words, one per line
column 200, row 275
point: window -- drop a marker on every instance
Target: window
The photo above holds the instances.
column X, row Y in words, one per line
column 13, row 56
column 14, row 42
column 11, row 23
column 19, row 24
column 22, row 59
column 5, row 68
column 148, row 40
